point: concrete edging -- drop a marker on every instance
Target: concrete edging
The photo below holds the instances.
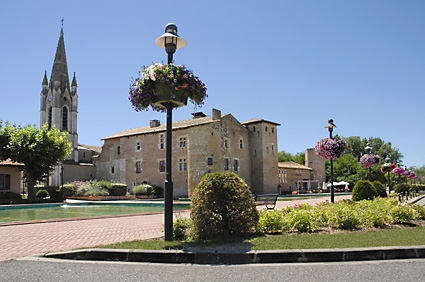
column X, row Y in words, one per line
column 226, row 257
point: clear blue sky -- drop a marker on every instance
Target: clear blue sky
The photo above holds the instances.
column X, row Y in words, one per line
column 297, row 63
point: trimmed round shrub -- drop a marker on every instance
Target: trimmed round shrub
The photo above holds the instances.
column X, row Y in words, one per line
column 42, row 193
column 402, row 188
column 142, row 190
column 158, row 191
column 380, row 189
column 364, row 190
column 223, row 206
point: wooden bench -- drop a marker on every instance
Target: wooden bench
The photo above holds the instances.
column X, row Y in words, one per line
column 268, row 200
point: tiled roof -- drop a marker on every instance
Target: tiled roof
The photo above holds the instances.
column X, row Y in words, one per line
column 293, row 165
column 257, row 120
column 90, row 148
column 176, row 125
column 10, row 163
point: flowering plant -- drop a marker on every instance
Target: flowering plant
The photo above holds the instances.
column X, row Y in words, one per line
column 331, row 148
column 368, row 160
column 179, row 79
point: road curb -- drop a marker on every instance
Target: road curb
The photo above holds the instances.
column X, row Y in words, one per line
column 226, row 257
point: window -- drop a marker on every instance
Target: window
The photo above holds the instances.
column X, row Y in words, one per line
column 272, row 129
column 253, row 128
column 226, row 143
column 118, row 150
column 182, row 142
column 4, row 181
column 138, row 147
column 235, row 165
column 161, row 141
column 210, row 161
column 266, row 128
column 182, row 165
column 138, row 167
column 240, row 143
column 162, row 166
column 112, row 170
column 64, row 118
column 50, row 118
column 226, row 164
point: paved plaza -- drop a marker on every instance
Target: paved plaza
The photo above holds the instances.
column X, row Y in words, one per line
column 20, row 240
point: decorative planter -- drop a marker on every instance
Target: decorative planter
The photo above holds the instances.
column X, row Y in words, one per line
column 166, row 93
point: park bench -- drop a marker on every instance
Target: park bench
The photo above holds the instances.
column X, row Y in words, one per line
column 268, row 200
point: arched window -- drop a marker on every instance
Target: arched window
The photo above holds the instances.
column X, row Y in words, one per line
column 65, row 118
column 49, row 119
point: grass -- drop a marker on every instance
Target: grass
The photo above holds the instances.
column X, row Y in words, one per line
column 396, row 236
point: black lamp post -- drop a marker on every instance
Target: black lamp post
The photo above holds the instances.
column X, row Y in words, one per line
column 330, row 126
column 63, row 198
column 170, row 41
column 387, row 161
column 369, row 151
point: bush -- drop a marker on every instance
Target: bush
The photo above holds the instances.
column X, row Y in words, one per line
column 223, row 206
column 142, row 190
column 10, row 195
column 42, row 194
column 402, row 188
column 380, row 189
column 158, row 191
column 364, row 190
column 118, row 189
column 181, row 229
column 87, row 189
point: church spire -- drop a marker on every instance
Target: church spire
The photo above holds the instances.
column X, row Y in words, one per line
column 59, row 74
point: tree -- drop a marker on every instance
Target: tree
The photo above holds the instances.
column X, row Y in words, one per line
column 287, row 157
column 39, row 150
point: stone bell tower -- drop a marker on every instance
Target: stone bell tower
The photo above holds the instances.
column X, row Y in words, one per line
column 59, row 103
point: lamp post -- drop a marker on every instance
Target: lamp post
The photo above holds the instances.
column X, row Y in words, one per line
column 369, row 151
column 330, row 126
column 170, row 41
column 387, row 161
column 63, row 198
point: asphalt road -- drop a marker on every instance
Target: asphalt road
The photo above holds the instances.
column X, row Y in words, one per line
column 60, row 270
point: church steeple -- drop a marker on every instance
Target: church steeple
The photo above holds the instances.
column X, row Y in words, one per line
column 59, row 77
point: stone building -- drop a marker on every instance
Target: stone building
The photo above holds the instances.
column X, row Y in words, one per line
column 10, row 177
column 200, row 145
column 294, row 177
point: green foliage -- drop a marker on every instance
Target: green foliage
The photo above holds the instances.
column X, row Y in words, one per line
column 143, row 190
column 118, row 189
column 39, row 149
column 10, row 195
column 402, row 187
column 223, row 206
column 271, row 222
column 402, row 214
column 181, row 229
column 364, row 190
column 158, row 191
column 42, row 194
column 301, row 220
column 380, row 188
column 89, row 189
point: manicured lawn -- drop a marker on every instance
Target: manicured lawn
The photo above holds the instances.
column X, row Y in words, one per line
column 396, row 236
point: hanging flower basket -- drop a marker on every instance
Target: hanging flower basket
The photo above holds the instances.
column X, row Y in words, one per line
column 368, row 160
column 387, row 167
column 398, row 170
column 331, row 148
column 161, row 84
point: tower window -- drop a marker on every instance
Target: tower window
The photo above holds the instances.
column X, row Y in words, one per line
column 138, row 167
column 226, row 164
column 235, row 165
column 161, row 166
column 182, row 165
column 64, row 118
column 50, row 118
column 210, row 161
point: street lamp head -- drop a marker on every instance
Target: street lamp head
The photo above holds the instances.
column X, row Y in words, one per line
column 387, row 159
column 170, row 40
column 368, row 148
column 330, row 126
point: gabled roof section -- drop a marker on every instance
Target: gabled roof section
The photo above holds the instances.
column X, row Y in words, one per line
column 183, row 124
column 259, row 120
column 293, row 165
column 9, row 162
column 60, row 66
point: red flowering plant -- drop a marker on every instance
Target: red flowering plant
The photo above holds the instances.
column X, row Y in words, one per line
column 331, row 148
column 368, row 160
column 386, row 167
column 144, row 90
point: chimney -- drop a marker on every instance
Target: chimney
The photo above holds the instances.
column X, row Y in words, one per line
column 154, row 123
column 216, row 114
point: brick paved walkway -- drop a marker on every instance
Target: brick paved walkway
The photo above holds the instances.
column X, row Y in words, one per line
column 36, row 238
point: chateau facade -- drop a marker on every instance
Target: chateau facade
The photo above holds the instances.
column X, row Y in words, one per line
column 200, row 145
